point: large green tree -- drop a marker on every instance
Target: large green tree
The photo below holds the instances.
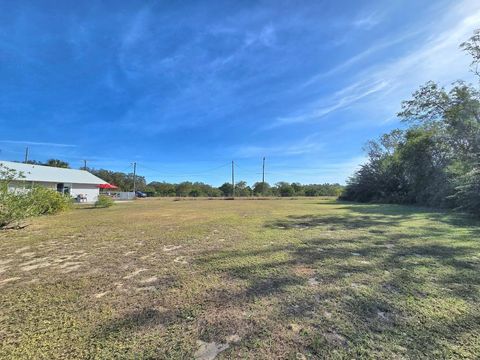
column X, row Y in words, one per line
column 436, row 161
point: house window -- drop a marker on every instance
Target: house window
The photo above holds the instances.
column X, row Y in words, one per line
column 64, row 188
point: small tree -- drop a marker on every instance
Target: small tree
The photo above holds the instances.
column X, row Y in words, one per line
column 57, row 163
column 285, row 189
column 226, row 189
column 261, row 189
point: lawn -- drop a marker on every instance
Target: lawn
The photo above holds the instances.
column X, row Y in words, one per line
column 266, row 279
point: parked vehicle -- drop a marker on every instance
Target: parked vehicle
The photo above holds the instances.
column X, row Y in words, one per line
column 140, row 194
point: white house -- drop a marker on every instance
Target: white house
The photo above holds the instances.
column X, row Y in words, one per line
column 66, row 181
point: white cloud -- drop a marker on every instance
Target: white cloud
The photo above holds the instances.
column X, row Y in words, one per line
column 24, row 142
column 340, row 100
column 368, row 21
column 308, row 145
column 384, row 85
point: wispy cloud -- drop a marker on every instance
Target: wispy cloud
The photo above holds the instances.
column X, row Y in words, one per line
column 308, row 145
column 340, row 100
column 437, row 58
column 368, row 21
column 35, row 143
column 354, row 60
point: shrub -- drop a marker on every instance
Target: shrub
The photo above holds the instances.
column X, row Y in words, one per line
column 13, row 208
column 467, row 194
column 16, row 206
column 47, row 201
column 104, row 201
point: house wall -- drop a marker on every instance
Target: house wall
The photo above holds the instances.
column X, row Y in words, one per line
column 90, row 190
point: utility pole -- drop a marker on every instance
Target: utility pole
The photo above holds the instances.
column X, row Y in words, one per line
column 134, row 177
column 233, row 178
column 263, row 173
column 26, row 155
column 84, row 164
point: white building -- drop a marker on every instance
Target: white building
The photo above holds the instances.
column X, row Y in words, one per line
column 66, row 181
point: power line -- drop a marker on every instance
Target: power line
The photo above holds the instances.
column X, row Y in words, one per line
column 185, row 174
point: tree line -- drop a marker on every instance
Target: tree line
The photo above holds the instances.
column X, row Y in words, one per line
column 196, row 189
column 435, row 160
column 124, row 182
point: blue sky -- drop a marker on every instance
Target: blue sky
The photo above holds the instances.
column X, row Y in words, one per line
column 183, row 88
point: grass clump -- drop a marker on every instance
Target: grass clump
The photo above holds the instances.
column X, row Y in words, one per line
column 104, row 201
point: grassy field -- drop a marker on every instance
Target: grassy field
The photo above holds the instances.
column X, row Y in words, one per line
column 266, row 279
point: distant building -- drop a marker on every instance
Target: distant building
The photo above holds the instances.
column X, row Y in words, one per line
column 66, row 181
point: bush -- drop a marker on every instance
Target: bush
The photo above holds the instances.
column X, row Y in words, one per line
column 16, row 206
column 45, row 201
column 13, row 208
column 104, row 201
column 467, row 195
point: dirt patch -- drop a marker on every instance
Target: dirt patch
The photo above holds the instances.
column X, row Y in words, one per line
column 70, row 266
column 168, row 248
column 8, row 280
column 28, row 254
column 36, row 264
column 295, row 328
column 234, row 339
column 134, row 273
column 25, row 248
column 146, row 288
column 181, row 260
column 100, row 295
column 149, row 280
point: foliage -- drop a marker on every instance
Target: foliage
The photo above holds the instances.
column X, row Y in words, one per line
column 467, row 194
column 16, row 206
column 12, row 205
column 122, row 180
column 433, row 162
column 104, row 201
column 226, row 189
column 199, row 189
column 285, row 189
column 261, row 189
column 57, row 163
column 47, row 201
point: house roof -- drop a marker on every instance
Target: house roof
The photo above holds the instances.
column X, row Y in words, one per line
column 52, row 174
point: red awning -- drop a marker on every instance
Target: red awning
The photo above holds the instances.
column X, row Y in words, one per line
column 107, row 186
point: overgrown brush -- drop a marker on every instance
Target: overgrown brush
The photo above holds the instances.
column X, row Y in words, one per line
column 104, row 201
column 18, row 205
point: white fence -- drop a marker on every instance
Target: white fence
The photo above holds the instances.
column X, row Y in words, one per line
column 120, row 195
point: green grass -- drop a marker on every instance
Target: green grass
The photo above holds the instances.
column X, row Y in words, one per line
column 305, row 278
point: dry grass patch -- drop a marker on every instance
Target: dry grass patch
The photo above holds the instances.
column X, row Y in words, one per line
column 300, row 279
